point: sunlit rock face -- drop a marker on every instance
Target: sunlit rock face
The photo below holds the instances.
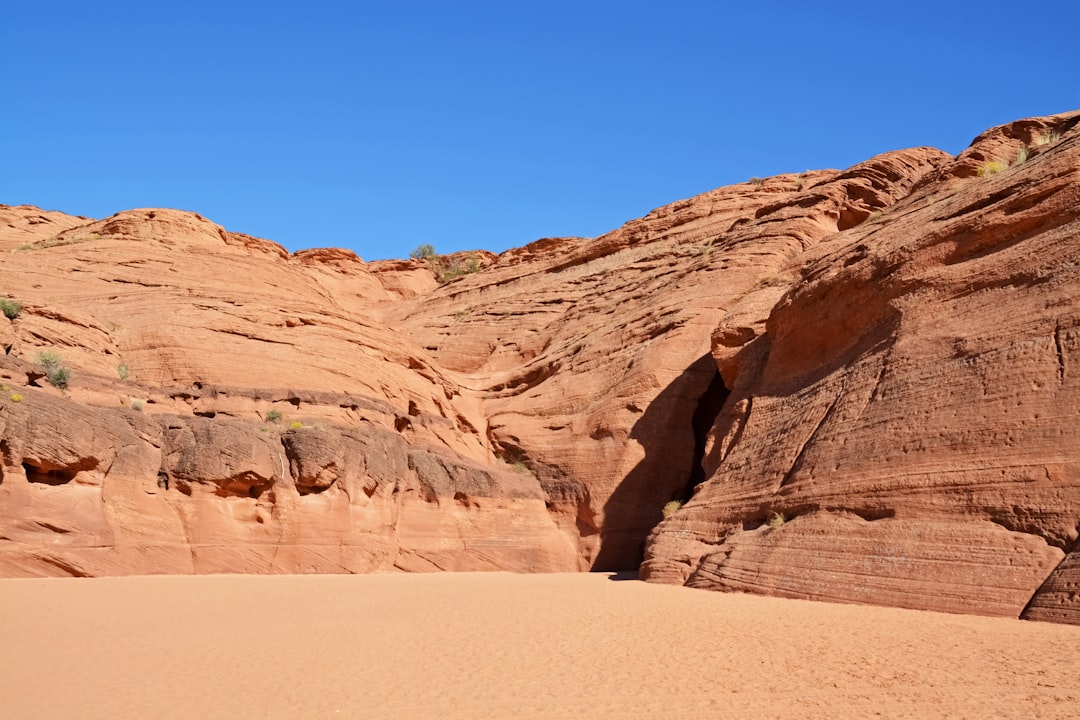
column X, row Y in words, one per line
column 901, row 427
column 856, row 386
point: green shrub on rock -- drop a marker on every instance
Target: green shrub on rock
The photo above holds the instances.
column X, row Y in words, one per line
column 10, row 307
column 55, row 372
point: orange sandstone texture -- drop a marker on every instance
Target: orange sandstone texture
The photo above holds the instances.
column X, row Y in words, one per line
column 908, row 406
column 884, row 356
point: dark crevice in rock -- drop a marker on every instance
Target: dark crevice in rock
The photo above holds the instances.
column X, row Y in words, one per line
column 70, row 568
column 1060, row 353
column 51, row 527
column 47, row 474
column 311, row 489
column 247, row 485
column 527, row 380
column 705, row 414
column 673, row 432
column 868, row 514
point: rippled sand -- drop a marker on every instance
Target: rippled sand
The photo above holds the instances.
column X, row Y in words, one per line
column 505, row 646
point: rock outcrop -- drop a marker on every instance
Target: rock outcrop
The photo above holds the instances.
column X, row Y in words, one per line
column 860, row 384
column 98, row 491
column 901, row 426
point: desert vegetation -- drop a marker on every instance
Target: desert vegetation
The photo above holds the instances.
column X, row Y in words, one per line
column 671, row 508
column 55, row 371
column 444, row 267
column 10, row 307
column 992, row 167
column 56, row 240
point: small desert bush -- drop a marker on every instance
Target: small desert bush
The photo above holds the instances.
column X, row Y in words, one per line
column 423, row 252
column 295, row 425
column 446, row 270
column 990, row 168
column 1049, row 138
column 58, row 376
column 10, row 307
column 671, row 508
column 1021, row 156
column 756, row 181
column 273, row 416
column 138, row 404
column 122, row 370
column 777, row 520
column 16, row 398
column 56, row 240
column 47, row 242
column 55, row 372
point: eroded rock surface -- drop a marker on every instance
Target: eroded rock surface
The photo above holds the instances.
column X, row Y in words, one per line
column 1058, row 600
column 921, row 371
column 884, row 356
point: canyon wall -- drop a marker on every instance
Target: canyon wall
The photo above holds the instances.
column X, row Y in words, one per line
column 857, row 386
column 902, row 422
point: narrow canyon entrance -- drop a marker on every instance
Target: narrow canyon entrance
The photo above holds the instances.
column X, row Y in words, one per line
column 673, row 432
column 708, row 408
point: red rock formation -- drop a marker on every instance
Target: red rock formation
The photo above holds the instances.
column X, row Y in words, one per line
column 882, row 355
column 917, row 374
column 1058, row 599
column 96, row 491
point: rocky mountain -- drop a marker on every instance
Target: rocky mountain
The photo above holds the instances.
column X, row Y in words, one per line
column 859, row 386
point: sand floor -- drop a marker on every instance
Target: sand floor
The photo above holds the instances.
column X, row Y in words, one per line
column 505, row 646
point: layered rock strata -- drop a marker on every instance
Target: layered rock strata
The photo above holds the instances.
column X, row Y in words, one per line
column 901, row 425
column 859, row 383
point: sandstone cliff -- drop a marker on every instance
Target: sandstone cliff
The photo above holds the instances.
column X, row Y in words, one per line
column 861, row 383
column 902, row 422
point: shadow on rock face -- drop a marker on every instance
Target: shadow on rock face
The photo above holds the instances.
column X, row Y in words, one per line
column 672, row 431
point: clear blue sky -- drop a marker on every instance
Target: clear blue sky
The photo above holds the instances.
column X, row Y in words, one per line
column 379, row 126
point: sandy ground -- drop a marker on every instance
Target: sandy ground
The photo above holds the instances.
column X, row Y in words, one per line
column 505, row 646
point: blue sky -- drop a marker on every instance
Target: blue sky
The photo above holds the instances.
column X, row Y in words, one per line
column 379, row 126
